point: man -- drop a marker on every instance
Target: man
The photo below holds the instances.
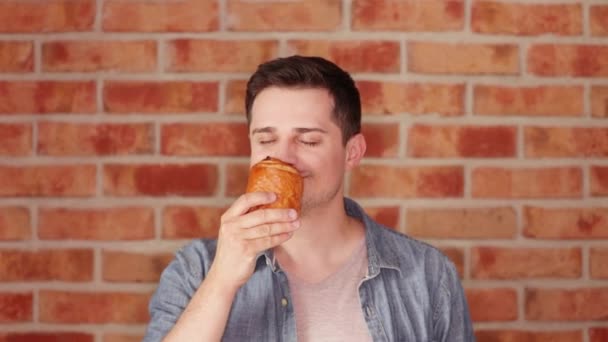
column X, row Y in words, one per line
column 331, row 274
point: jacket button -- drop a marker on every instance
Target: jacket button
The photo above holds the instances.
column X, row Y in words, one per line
column 284, row 302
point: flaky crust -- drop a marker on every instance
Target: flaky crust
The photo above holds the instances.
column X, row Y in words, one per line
column 276, row 176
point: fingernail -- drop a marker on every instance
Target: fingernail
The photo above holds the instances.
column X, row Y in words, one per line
column 295, row 224
column 292, row 213
column 272, row 196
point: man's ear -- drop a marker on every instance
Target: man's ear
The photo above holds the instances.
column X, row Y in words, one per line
column 355, row 149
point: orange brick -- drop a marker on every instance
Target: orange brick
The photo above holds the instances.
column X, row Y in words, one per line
column 557, row 182
column 410, row 15
column 599, row 20
column 459, row 58
column 528, row 336
column 412, row 98
column 16, row 307
column 160, row 97
column 388, row 216
column 46, row 337
column 129, row 223
column 456, row 255
column 15, row 139
column 74, row 265
column 407, row 182
column 467, row 223
column 462, row 141
column 235, row 97
column 503, row 302
column 134, row 267
column 566, row 223
column 15, row 223
column 529, row 101
column 191, row 222
column 91, row 55
column 93, row 307
column 500, row 17
column 599, row 180
column 568, row 60
column 47, row 16
column 160, row 180
column 42, row 97
column 193, row 139
column 598, row 334
column 63, row 180
column 554, row 304
column 299, row 15
column 161, row 16
column 599, row 101
column 566, row 142
column 382, row 139
column 236, row 179
column 220, row 55
column 73, row 139
column 122, row 338
column 353, row 55
column 598, row 262
column 523, row 263
column 16, row 56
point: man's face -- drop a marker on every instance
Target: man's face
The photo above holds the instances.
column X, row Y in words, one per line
column 296, row 126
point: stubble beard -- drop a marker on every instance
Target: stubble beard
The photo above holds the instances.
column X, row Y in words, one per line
column 318, row 200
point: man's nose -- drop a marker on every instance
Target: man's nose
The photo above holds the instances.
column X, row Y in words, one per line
column 286, row 151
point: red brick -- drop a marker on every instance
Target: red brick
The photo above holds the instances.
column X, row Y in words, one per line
column 529, row 101
column 39, row 180
column 598, row 334
column 467, row 223
column 503, row 302
column 566, row 223
column 16, row 307
column 43, row 97
column 194, row 139
column 93, row 307
column 15, row 139
column 47, row 337
column 462, row 141
column 524, row 263
column 236, row 179
column 554, row 304
column 528, row 336
column 160, row 97
column 568, row 60
column 407, row 182
column 382, row 139
column 598, row 261
column 47, row 16
column 459, row 58
column 128, row 223
column 566, row 142
column 235, row 97
column 93, row 55
column 220, row 55
column 599, row 180
column 15, row 223
column 73, row 139
column 160, row 180
column 456, row 255
column 556, row 182
column 599, row 20
column 16, row 56
column 500, row 17
column 161, row 16
column 191, row 222
column 75, row 265
column 428, row 15
column 412, row 98
column 299, row 15
column 122, row 338
column 353, row 55
column 599, row 101
column 134, row 267
column 386, row 215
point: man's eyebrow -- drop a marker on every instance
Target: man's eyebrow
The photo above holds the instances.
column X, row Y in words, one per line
column 312, row 129
column 263, row 130
column 299, row 130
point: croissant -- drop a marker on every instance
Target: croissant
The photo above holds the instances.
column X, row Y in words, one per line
column 274, row 175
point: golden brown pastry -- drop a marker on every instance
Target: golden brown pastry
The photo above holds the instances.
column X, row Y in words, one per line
column 274, row 175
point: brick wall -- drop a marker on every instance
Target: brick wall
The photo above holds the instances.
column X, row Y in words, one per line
column 122, row 137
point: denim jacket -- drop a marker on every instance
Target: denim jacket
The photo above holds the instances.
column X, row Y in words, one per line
column 411, row 292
